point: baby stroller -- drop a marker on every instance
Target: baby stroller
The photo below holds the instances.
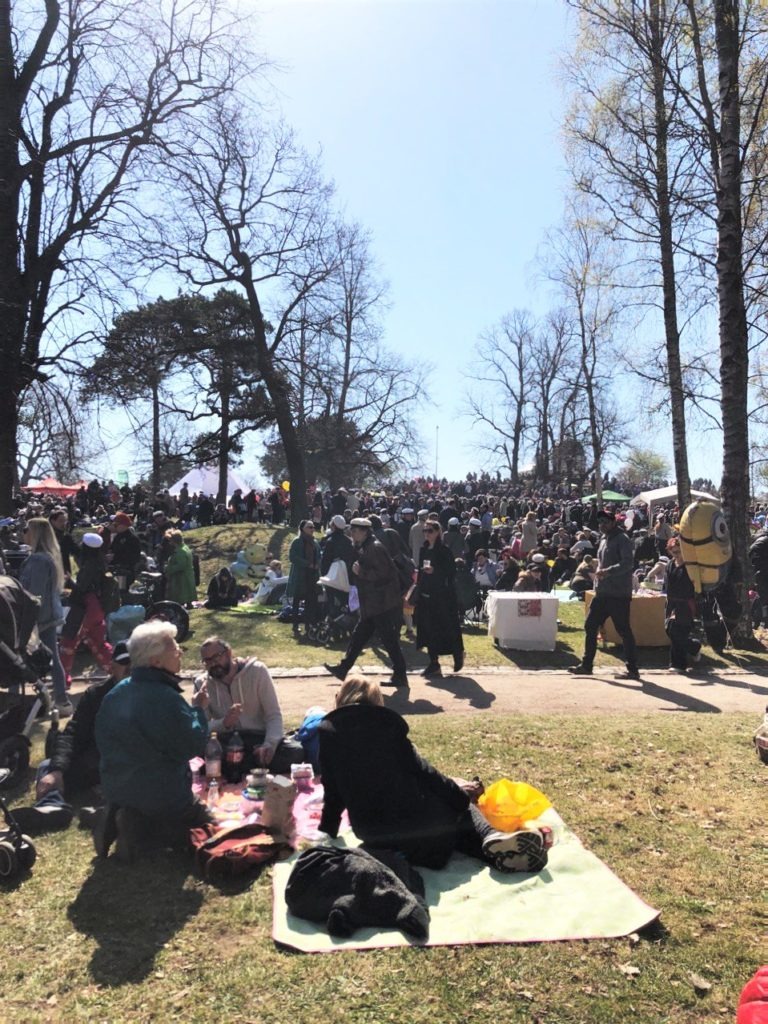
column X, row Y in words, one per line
column 19, row 666
column 336, row 620
column 17, row 851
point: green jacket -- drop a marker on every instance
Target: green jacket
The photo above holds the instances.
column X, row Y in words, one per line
column 297, row 580
column 180, row 576
column 146, row 733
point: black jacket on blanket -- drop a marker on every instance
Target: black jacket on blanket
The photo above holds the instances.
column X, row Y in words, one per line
column 395, row 799
column 351, row 889
column 75, row 753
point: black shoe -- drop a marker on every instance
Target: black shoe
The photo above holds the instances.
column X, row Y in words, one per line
column 630, row 673
column 580, row 670
column 458, row 662
column 105, row 830
column 396, row 681
column 336, row 670
column 432, row 669
column 42, row 818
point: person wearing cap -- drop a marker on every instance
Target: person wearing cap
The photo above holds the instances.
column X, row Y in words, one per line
column 613, row 596
column 453, row 539
column 125, row 549
column 72, row 770
column 416, row 534
column 85, row 622
column 404, row 524
column 476, row 538
column 336, row 545
column 378, row 587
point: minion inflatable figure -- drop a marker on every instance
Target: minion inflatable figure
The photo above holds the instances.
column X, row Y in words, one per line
column 705, row 544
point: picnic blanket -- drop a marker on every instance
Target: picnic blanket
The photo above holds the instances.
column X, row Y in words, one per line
column 577, row 896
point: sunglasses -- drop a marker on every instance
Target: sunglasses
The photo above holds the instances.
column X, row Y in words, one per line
column 430, row 529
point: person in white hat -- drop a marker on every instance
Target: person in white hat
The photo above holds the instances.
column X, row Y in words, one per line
column 416, row 535
column 85, row 622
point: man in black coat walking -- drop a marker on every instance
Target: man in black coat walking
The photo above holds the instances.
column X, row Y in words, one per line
column 378, row 586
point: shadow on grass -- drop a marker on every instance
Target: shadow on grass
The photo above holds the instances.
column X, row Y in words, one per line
column 132, row 912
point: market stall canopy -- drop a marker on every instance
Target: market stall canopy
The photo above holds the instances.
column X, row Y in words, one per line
column 608, row 496
column 205, row 480
column 50, row 486
column 664, row 494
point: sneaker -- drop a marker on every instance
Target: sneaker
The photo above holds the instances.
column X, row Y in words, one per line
column 336, row 670
column 630, row 673
column 396, row 681
column 65, row 708
column 432, row 669
column 515, row 851
column 580, row 670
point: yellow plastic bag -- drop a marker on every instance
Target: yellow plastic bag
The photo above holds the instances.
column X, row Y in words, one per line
column 509, row 805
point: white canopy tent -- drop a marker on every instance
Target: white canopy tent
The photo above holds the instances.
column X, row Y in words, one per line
column 663, row 494
column 205, row 480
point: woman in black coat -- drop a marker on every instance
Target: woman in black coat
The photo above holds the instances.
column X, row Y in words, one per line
column 680, row 610
column 396, row 800
column 437, row 613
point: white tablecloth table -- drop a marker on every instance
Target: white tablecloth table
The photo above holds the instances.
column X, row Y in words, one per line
column 524, row 621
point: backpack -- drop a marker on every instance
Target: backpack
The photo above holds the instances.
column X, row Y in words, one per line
column 227, row 853
column 110, row 593
column 405, row 570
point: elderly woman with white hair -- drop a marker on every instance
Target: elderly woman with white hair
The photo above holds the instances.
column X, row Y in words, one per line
column 146, row 733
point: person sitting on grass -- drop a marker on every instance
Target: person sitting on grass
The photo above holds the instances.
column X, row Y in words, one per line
column 72, row 770
column 396, row 800
column 147, row 733
column 239, row 695
column 222, row 590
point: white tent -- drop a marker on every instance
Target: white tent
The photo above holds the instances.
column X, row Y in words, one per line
column 663, row 494
column 205, row 480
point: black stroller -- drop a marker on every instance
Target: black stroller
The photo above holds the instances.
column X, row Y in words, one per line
column 17, row 851
column 19, row 667
column 336, row 621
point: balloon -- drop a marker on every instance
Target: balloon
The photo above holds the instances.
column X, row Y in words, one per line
column 286, row 485
column 239, row 570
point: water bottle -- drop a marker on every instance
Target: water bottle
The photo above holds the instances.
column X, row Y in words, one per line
column 233, row 758
column 213, row 758
column 213, row 793
column 761, row 739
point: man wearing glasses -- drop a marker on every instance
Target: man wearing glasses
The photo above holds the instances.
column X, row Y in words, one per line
column 381, row 603
column 238, row 694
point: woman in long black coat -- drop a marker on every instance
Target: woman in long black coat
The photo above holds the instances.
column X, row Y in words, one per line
column 437, row 613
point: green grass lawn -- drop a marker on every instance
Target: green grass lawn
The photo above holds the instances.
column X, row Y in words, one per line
column 258, row 633
column 671, row 803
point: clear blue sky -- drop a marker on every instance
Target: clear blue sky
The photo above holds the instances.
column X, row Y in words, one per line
column 439, row 123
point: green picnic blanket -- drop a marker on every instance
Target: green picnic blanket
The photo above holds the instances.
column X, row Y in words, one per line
column 577, row 896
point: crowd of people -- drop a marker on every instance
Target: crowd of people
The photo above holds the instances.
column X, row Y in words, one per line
column 421, row 559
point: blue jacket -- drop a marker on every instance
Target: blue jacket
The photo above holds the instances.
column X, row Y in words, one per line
column 38, row 576
column 146, row 733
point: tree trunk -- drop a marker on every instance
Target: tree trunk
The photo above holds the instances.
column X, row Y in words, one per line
column 666, row 249
column 279, row 393
column 155, row 440
column 734, row 357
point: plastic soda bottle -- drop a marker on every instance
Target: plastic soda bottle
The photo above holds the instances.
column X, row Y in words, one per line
column 213, row 793
column 233, row 758
column 213, row 757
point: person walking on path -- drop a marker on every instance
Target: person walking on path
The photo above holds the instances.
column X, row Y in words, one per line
column 613, row 596
column 378, row 585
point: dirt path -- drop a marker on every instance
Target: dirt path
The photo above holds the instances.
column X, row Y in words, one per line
column 539, row 692
column 535, row 692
